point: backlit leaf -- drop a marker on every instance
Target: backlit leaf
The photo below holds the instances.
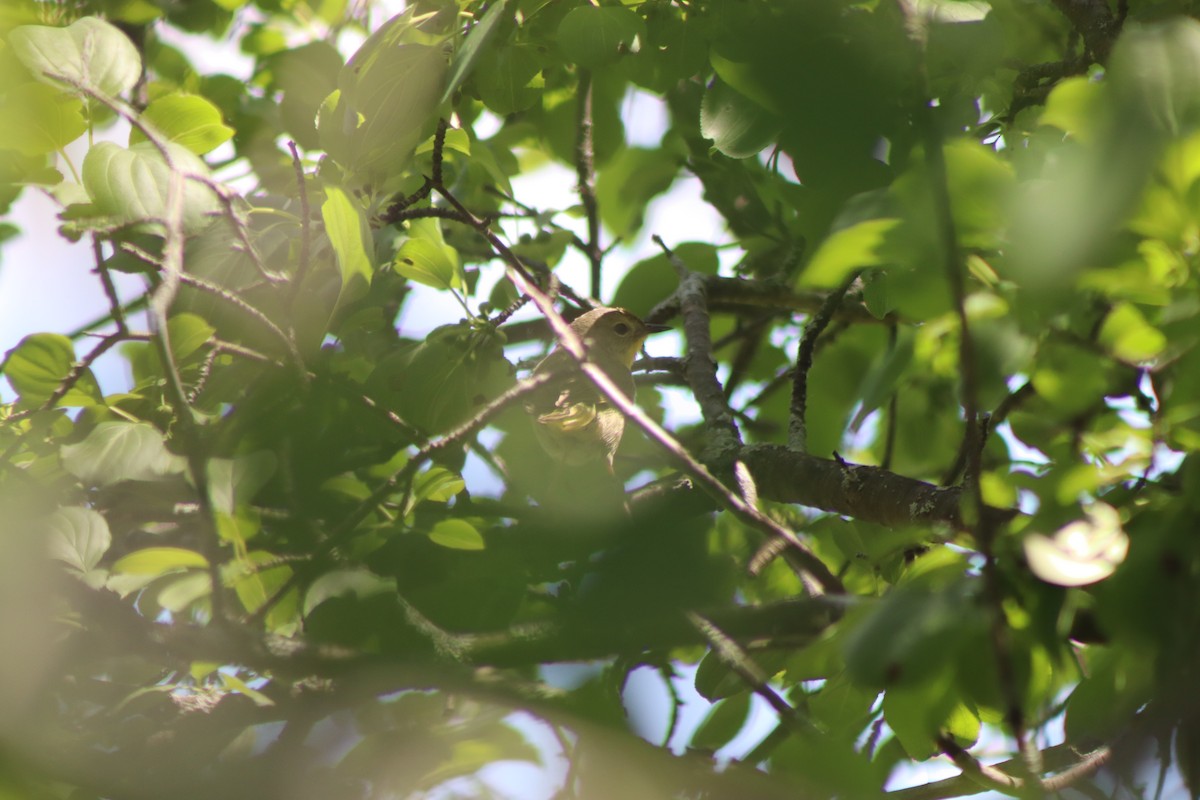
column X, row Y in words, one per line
column 89, row 51
column 186, row 119
column 37, row 366
column 457, row 534
column 120, row 451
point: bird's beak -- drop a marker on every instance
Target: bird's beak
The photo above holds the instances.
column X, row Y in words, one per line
column 656, row 328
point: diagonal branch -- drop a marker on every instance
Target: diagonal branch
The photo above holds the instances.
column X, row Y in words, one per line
column 1062, row 756
column 571, row 344
column 733, row 656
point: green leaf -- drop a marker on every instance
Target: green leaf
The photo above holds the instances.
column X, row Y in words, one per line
column 346, row 226
column 1117, row 682
column 353, row 582
column 507, row 80
column 187, row 333
column 50, row 119
column 187, row 120
column 80, row 537
column 131, row 184
column 437, row 484
column 840, row 707
column 716, row 680
column 426, row 258
column 1076, row 106
column 1130, row 338
column 255, row 584
column 911, row 633
column 456, row 139
column 919, row 714
column 445, row 379
column 159, row 561
column 745, row 79
column 120, row 451
column 236, row 481
column 739, row 127
column 628, row 182
column 724, row 721
column 863, row 244
column 483, row 744
column 546, row 247
column 236, row 684
column 306, row 75
column 39, row 363
column 1070, row 378
column 387, row 97
column 980, row 183
column 1155, row 69
column 457, row 534
column 178, row 595
column 592, row 36
column 879, row 383
column 89, row 51
column 474, row 45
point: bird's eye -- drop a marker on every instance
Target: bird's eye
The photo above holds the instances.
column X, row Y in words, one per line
column 621, row 329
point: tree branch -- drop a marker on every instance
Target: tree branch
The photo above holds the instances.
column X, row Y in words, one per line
column 797, row 422
column 305, row 227
column 586, row 171
column 1094, row 21
column 734, row 657
column 349, row 524
column 700, row 369
column 737, row 293
column 982, row 525
column 868, row 493
column 571, row 344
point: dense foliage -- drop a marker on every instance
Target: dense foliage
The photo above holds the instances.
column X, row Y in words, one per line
column 935, row 497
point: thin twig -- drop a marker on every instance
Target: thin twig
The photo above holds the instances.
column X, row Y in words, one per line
column 798, row 421
column 249, row 310
column 395, row 212
column 749, row 335
column 1088, row 766
column 81, row 367
column 995, row 777
column 351, row 521
column 741, row 293
column 982, row 524
column 585, row 170
column 110, row 289
column 733, row 656
column 986, row 776
column 305, row 227
column 242, row 228
column 667, row 673
column 439, row 151
column 891, row 416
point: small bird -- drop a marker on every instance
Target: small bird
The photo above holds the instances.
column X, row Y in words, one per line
column 573, row 421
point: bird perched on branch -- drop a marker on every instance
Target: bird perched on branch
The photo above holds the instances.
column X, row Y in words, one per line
column 573, row 421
